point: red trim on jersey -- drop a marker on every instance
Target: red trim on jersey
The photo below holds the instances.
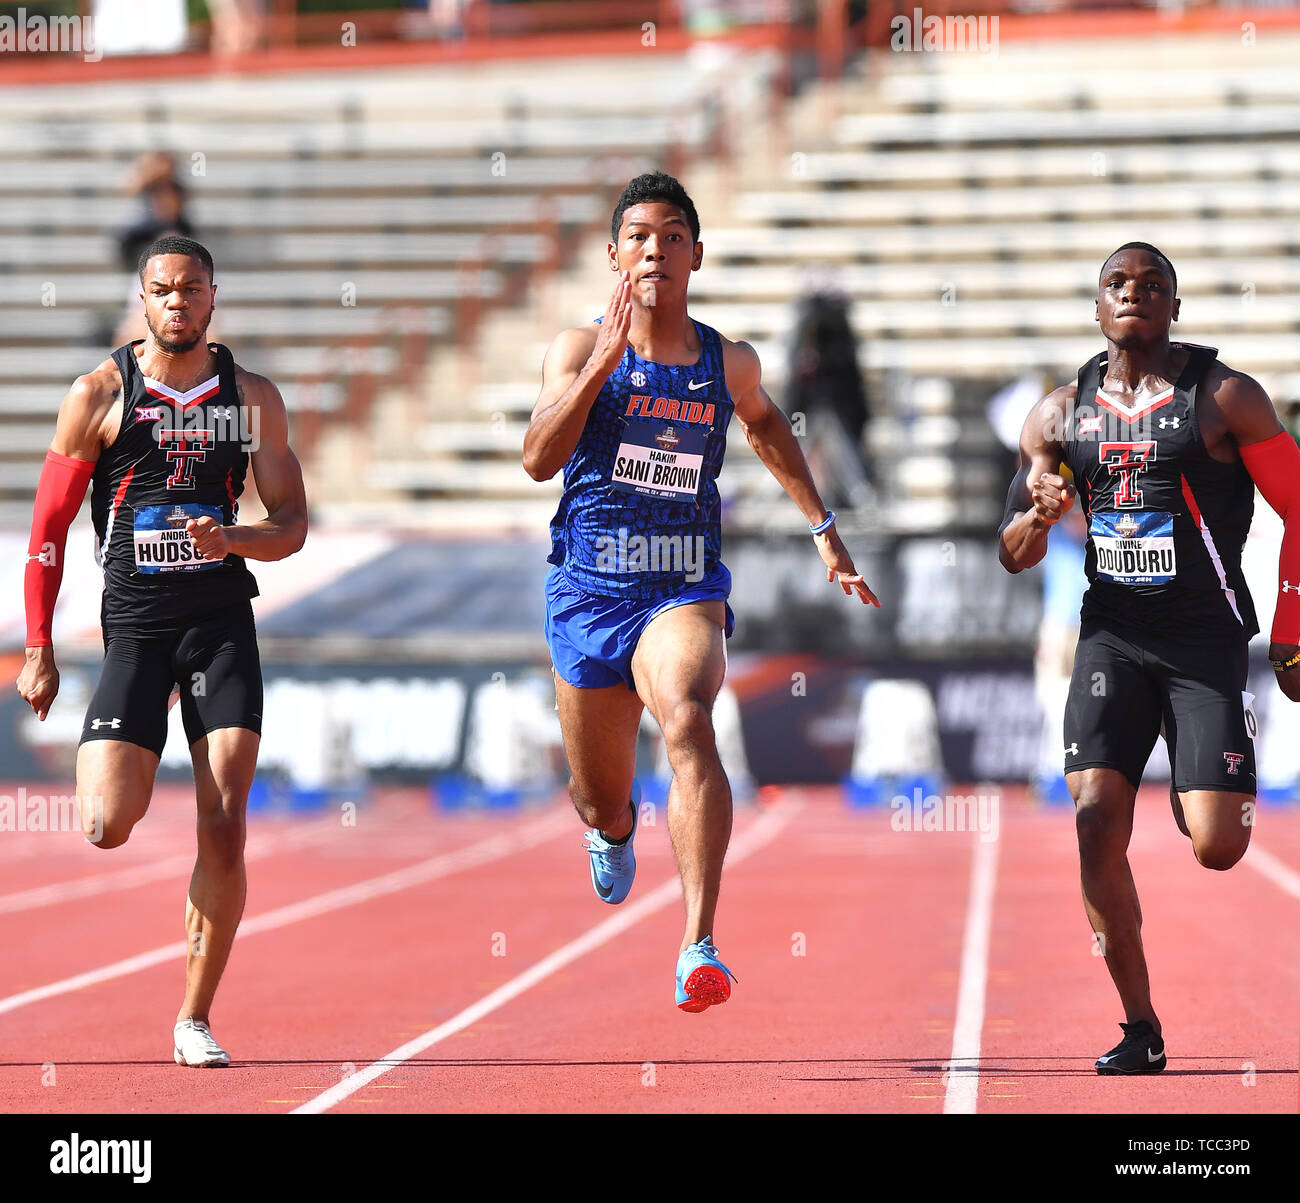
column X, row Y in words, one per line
column 1208, row 540
column 163, row 392
column 1132, row 415
column 230, row 491
column 121, row 489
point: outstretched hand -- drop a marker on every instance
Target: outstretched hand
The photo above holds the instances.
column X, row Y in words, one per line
column 611, row 342
column 839, row 567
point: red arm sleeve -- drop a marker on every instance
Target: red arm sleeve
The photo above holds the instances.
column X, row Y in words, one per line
column 1274, row 465
column 59, row 494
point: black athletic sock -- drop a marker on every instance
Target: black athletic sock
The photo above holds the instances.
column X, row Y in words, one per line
column 624, row 840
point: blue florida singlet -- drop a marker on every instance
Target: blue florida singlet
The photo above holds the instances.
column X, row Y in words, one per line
column 642, row 480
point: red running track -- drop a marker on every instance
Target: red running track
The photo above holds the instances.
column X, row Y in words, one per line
column 847, row 937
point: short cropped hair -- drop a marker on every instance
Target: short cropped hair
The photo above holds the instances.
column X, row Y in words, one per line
column 650, row 187
column 175, row 244
column 1150, row 250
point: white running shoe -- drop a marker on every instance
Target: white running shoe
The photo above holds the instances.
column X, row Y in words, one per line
column 195, row 1046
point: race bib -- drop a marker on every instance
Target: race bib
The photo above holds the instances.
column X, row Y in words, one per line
column 1134, row 549
column 659, row 459
column 161, row 542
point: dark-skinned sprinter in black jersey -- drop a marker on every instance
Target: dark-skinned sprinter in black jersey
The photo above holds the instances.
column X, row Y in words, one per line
column 166, row 429
column 1166, row 445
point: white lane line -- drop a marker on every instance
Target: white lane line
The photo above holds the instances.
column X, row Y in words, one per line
column 1278, row 872
column 259, row 846
column 963, row 1069
column 763, row 830
column 435, row 867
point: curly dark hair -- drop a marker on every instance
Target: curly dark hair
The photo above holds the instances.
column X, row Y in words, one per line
column 654, row 186
column 175, row 244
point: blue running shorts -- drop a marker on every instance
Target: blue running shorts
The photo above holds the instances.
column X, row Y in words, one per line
column 592, row 637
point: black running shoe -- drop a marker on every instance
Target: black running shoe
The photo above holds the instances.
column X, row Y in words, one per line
column 1140, row 1052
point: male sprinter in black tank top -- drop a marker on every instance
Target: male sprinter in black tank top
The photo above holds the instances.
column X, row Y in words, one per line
column 166, row 429
column 1166, row 445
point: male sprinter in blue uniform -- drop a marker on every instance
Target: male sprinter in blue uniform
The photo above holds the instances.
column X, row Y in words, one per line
column 1166, row 445
column 166, row 429
column 634, row 408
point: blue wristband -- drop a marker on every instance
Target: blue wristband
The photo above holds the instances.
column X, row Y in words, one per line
column 824, row 525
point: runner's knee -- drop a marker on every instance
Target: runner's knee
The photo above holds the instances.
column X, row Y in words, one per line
column 688, row 727
column 112, row 834
column 1096, row 822
column 221, row 838
column 109, row 826
column 1220, row 851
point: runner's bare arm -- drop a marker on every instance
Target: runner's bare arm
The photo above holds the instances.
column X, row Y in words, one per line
column 1039, row 495
column 1273, row 461
column 575, row 369
column 84, row 413
column 279, row 484
column 774, row 442
column 65, row 475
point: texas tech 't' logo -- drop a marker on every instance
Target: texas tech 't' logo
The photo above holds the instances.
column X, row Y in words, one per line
column 1128, row 459
column 184, row 448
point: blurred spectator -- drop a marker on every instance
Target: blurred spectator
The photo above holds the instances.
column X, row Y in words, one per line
column 825, row 385
column 1289, row 411
column 238, row 26
column 153, row 179
column 448, row 18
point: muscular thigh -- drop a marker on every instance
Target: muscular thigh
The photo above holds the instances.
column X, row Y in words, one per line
column 599, row 728
column 681, row 656
column 224, row 763
column 124, row 732
column 1113, row 713
column 1209, row 730
column 220, row 676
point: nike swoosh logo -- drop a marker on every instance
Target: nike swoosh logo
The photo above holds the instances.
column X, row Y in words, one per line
column 690, row 384
column 1153, row 1059
column 605, row 893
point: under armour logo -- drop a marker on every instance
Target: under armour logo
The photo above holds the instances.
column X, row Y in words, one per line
column 1169, row 422
column 1287, row 586
column 114, row 723
column 45, row 560
column 225, row 412
column 1072, row 750
column 1234, row 760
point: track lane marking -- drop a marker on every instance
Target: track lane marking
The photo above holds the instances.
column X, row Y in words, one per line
column 260, row 846
column 1275, row 870
column 435, row 867
column 963, row 1071
column 761, row 832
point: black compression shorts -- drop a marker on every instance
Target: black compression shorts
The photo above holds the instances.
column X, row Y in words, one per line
column 215, row 664
column 1126, row 687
